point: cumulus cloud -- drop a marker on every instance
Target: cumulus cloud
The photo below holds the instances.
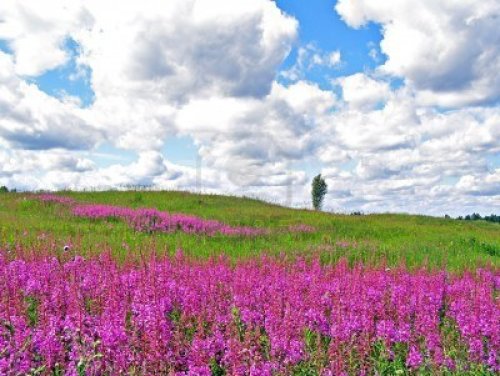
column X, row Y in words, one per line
column 186, row 48
column 362, row 92
column 49, row 169
column 37, row 31
column 31, row 119
column 485, row 184
column 400, row 154
column 61, row 169
column 198, row 67
column 258, row 138
column 151, row 58
column 184, row 52
column 393, row 126
column 448, row 50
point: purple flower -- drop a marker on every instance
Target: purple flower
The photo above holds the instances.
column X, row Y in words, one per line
column 414, row 359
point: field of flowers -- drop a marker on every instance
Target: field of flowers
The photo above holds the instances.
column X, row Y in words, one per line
column 257, row 309
column 261, row 317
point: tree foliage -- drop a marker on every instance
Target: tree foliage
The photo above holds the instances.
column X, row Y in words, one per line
column 318, row 192
column 476, row 217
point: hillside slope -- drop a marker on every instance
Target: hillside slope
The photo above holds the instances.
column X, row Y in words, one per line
column 373, row 239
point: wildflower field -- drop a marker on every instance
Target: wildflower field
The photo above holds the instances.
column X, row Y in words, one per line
column 171, row 283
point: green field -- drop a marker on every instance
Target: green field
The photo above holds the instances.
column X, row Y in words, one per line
column 393, row 239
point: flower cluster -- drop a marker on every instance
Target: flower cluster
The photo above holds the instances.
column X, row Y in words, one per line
column 48, row 197
column 153, row 220
column 261, row 317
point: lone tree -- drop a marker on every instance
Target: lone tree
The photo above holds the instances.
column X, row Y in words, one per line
column 3, row 189
column 318, row 191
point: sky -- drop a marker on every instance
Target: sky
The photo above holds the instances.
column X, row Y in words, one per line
column 396, row 105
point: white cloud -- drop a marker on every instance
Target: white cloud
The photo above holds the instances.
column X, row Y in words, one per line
column 48, row 169
column 150, row 58
column 448, row 50
column 334, row 58
column 362, row 92
column 37, row 31
column 485, row 184
column 394, row 126
column 186, row 48
column 31, row 119
column 257, row 138
column 184, row 52
column 410, row 157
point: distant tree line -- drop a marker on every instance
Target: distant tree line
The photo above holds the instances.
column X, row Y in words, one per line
column 477, row 217
column 4, row 189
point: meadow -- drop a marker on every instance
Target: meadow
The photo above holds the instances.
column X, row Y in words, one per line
column 391, row 239
column 174, row 283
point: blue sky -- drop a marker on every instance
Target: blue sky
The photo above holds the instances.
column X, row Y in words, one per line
column 68, row 79
column 396, row 112
column 320, row 25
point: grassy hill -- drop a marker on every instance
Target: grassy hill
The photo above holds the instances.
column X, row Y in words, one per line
column 373, row 239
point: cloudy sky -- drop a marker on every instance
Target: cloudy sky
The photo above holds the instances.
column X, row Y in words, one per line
column 395, row 102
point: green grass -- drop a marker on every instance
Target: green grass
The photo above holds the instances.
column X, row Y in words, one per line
column 373, row 239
